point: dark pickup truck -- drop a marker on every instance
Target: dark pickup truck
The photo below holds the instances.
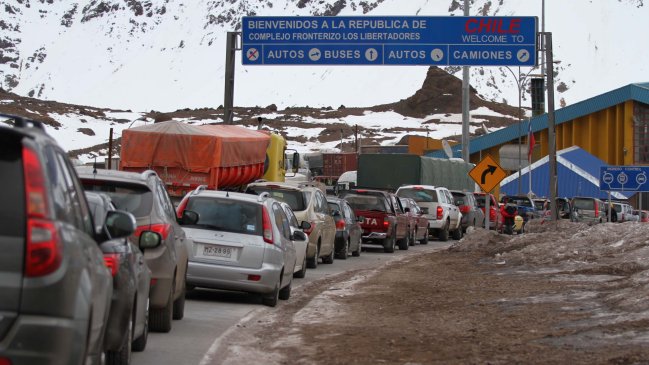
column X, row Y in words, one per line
column 385, row 222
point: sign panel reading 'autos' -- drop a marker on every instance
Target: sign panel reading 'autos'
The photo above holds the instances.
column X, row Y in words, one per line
column 408, row 40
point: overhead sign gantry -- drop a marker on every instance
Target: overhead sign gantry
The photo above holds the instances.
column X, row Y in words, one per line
column 393, row 40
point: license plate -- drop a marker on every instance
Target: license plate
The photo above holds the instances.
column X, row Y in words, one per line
column 218, row 251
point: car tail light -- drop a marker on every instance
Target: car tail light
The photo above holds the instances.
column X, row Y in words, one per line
column 253, row 277
column 386, row 223
column 464, row 209
column 267, row 227
column 112, row 262
column 43, row 250
column 596, row 208
column 162, row 228
column 308, row 231
column 181, row 207
column 440, row 212
column 5, row 361
column 153, row 282
column 340, row 225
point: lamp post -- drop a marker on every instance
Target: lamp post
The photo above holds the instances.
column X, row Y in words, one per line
column 520, row 81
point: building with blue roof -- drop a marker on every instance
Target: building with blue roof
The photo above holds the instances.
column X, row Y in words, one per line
column 577, row 171
column 613, row 127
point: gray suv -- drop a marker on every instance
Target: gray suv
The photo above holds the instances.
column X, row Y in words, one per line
column 144, row 196
column 55, row 289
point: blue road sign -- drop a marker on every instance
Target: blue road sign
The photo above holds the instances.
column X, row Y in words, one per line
column 624, row 178
column 402, row 40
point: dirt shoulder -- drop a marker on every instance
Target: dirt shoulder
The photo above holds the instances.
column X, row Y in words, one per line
column 472, row 303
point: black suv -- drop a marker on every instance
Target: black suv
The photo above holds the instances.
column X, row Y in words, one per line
column 144, row 196
column 55, row 289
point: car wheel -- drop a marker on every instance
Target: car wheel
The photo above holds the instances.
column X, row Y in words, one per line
column 122, row 356
column 329, row 259
column 161, row 317
column 457, row 234
column 443, row 232
column 302, row 273
column 312, row 263
column 270, row 299
column 404, row 243
column 388, row 244
column 140, row 343
column 344, row 251
column 424, row 241
column 179, row 306
column 285, row 292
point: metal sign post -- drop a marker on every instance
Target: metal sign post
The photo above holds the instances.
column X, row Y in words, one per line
column 228, row 95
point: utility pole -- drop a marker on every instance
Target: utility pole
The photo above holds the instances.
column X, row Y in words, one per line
column 465, row 102
column 356, row 138
column 110, row 149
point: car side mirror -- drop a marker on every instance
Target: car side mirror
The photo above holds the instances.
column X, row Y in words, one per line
column 299, row 236
column 296, row 161
column 189, row 218
column 305, row 225
column 407, row 210
column 335, row 213
column 119, row 224
column 149, row 239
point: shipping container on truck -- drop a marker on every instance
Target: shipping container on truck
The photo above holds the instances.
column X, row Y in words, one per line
column 335, row 164
column 390, row 171
column 186, row 156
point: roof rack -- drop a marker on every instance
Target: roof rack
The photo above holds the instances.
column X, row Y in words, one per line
column 199, row 189
column 264, row 195
column 21, row 122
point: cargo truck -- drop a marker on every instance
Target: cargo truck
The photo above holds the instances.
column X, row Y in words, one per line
column 390, row 171
column 185, row 156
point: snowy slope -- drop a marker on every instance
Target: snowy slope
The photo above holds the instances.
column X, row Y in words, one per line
column 169, row 54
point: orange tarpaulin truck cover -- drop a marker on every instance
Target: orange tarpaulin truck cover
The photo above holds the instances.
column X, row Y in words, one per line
column 192, row 148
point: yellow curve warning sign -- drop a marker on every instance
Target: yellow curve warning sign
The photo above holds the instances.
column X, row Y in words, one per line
column 487, row 173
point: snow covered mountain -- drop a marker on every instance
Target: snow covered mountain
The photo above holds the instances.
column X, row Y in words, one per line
column 169, row 54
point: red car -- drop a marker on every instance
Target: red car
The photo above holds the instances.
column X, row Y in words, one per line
column 644, row 215
column 495, row 215
column 385, row 222
column 417, row 221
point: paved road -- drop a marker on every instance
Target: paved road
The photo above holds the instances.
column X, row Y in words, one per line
column 209, row 313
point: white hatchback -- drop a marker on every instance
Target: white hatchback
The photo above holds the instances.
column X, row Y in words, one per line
column 242, row 242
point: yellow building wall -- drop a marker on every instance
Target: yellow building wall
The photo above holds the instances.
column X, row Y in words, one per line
column 607, row 134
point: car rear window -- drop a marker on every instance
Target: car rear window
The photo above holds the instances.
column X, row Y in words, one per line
column 223, row 214
column 136, row 199
column 360, row 201
column 12, row 188
column 294, row 198
column 419, row 195
column 585, row 204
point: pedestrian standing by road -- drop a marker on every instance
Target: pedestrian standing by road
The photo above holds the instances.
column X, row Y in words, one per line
column 613, row 214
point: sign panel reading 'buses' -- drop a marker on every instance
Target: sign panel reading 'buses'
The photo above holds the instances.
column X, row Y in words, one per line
column 410, row 40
